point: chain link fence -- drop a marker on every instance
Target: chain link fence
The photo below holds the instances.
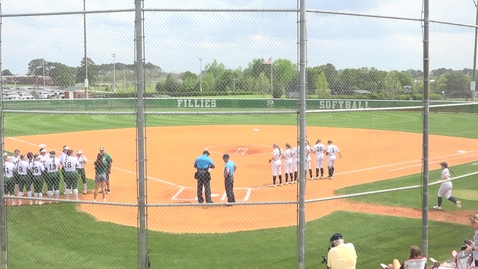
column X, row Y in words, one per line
column 227, row 78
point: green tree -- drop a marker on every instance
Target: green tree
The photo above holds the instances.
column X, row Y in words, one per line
column 6, row 72
column 454, row 84
column 322, row 85
column 285, row 74
column 171, row 84
column 392, row 83
column 93, row 70
column 190, row 83
column 35, row 67
column 60, row 74
column 226, row 81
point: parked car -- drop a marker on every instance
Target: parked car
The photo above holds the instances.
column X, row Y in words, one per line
column 25, row 96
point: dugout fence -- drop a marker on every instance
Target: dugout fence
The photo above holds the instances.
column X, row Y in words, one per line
column 151, row 215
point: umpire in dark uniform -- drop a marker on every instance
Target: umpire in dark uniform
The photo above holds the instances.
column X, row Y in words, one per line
column 203, row 163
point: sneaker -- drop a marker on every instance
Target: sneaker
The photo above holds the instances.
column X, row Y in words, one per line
column 94, row 201
column 437, row 207
column 458, row 204
column 31, row 202
column 14, row 204
column 36, row 202
column 84, row 192
column 321, row 177
column 273, row 185
column 40, row 203
column 108, row 191
column 104, row 200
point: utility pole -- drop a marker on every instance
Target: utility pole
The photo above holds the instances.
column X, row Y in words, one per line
column 84, row 46
column 473, row 79
column 200, row 74
column 114, row 72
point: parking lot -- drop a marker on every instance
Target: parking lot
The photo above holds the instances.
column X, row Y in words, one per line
column 28, row 93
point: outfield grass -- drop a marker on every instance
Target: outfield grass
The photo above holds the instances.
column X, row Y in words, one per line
column 456, row 124
column 59, row 236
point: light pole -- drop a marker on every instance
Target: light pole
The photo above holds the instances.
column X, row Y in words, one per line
column 124, row 78
column 200, row 74
column 114, row 72
column 43, row 74
column 84, row 47
column 473, row 79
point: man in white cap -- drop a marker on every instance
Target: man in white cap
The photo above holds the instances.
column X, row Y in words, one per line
column 81, row 169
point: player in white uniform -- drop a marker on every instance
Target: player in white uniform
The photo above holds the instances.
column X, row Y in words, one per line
column 446, row 187
column 308, row 151
column 288, row 156
column 62, row 160
column 331, row 152
column 276, row 164
column 319, row 149
column 8, row 169
column 295, row 162
column 81, row 169
column 43, row 157
column 70, row 165
column 37, row 169
column 24, row 182
column 52, row 166
column 15, row 160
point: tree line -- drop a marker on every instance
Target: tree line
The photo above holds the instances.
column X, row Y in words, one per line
column 275, row 78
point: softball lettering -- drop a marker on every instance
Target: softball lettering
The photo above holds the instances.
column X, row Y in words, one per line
column 196, row 103
column 338, row 104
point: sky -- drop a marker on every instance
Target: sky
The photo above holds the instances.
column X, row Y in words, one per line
column 175, row 41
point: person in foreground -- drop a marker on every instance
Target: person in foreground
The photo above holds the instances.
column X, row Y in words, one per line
column 341, row 255
column 415, row 258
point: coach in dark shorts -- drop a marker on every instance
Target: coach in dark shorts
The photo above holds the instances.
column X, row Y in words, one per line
column 203, row 163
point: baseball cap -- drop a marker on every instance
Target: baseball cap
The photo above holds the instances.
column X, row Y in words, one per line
column 444, row 164
column 36, row 156
column 336, row 236
column 225, row 156
column 102, row 148
column 52, row 153
column 66, row 147
column 206, row 152
column 42, row 150
column 79, row 152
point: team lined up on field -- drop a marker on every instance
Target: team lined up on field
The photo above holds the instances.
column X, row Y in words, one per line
column 291, row 161
column 28, row 173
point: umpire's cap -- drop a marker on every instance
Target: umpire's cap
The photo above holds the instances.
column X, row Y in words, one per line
column 206, row 152
column 444, row 164
column 336, row 236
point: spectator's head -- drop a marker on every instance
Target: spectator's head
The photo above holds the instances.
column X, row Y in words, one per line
column 336, row 239
column 474, row 221
column 415, row 252
column 287, row 146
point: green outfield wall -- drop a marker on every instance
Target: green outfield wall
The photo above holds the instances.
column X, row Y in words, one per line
column 185, row 104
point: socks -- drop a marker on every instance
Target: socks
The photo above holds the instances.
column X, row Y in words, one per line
column 440, row 200
column 67, row 194
column 57, row 194
column 75, row 193
column 273, row 180
column 452, row 199
column 85, row 187
column 280, row 179
column 20, row 194
column 321, row 172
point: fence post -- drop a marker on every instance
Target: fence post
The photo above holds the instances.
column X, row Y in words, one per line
column 139, row 65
